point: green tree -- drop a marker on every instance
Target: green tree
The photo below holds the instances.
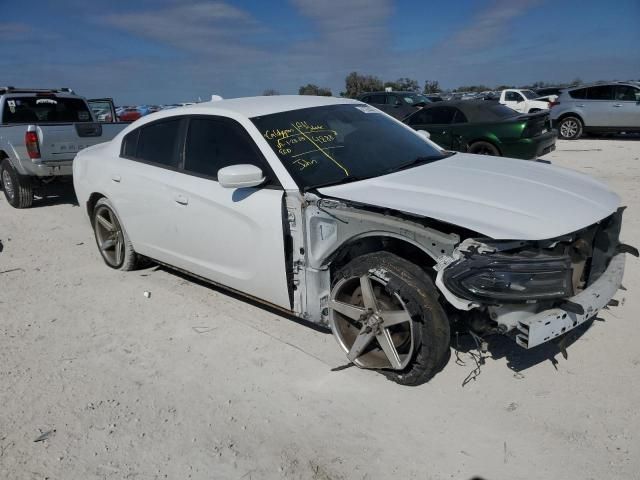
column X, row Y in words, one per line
column 431, row 86
column 311, row 89
column 357, row 84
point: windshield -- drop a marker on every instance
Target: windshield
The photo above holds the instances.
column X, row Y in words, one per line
column 45, row 109
column 415, row 98
column 530, row 94
column 341, row 143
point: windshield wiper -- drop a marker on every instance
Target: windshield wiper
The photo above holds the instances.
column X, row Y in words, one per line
column 336, row 182
column 419, row 161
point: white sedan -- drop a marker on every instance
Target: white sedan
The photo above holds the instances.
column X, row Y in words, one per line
column 334, row 212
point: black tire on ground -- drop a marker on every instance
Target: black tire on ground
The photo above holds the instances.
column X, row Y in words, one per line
column 570, row 128
column 484, row 148
column 431, row 330
column 17, row 188
column 117, row 238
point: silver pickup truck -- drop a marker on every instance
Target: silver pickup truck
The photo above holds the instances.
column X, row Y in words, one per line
column 41, row 131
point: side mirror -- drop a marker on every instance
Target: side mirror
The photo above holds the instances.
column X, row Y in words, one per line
column 424, row 133
column 240, row 176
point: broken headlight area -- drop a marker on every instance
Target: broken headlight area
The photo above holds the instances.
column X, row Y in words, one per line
column 504, row 278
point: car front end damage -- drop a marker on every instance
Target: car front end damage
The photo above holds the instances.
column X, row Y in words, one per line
column 535, row 291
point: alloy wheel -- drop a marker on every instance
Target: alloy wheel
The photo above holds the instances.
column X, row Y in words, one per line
column 372, row 326
column 109, row 236
column 7, row 184
column 569, row 128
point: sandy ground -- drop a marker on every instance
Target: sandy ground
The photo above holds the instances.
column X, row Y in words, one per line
column 193, row 383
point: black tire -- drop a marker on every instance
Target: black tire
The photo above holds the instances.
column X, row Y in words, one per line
column 430, row 325
column 570, row 128
column 17, row 188
column 123, row 256
column 484, row 148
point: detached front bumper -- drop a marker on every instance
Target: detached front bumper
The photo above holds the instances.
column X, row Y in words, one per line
column 549, row 324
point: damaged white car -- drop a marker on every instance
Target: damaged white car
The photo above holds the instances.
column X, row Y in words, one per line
column 338, row 214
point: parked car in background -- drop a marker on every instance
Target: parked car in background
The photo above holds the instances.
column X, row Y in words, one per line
column 41, row 133
column 599, row 108
column 548, row 91
column 333, row 212
column 433, row 97
column 487, row 128
column 523, row 101
column 396, row 104
column 130, row 114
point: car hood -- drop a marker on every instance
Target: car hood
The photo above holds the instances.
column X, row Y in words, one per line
column 501, row 198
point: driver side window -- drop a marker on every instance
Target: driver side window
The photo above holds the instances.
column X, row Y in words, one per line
column 513, row 97
column 215, row 143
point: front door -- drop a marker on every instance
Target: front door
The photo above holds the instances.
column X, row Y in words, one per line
column 437, row 121
column 234, row 237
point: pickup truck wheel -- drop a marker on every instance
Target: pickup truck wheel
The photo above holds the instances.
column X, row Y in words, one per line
column 17, row 188
column 385, row 314
column 570, row 128
column 111, row 238
column 484, row 148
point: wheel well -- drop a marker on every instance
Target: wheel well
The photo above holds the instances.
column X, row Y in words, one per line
column 399, row 247
column 570, row 114
column 485, row 140
column 3, row 155
column 91, row 203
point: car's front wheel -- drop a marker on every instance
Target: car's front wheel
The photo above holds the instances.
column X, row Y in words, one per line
column 112, row 240
column 385, row 314
column 570, row 128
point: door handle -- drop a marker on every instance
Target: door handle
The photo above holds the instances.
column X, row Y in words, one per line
column 181, row 199
column 580, row 105
column 618, row 105
column 116, row 178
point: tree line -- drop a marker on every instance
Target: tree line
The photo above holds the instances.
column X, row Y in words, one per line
column 356, row 84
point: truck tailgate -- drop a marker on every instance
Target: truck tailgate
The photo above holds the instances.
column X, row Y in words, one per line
column 61, row 142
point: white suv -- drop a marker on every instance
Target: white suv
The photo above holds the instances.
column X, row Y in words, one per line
column 610, row 107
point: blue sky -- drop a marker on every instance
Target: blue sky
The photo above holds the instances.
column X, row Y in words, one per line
column 164, row 51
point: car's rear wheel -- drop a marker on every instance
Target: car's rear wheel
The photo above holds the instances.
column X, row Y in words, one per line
column 17, row 188
column 570, row 128
column 385, row 314
column 112, row 240
column 484, row 148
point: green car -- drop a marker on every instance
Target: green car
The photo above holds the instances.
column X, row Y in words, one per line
column 485, row 127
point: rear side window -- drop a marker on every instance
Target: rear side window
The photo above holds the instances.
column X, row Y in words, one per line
column 601, row 92
column 460, row 117
column 45, row 109
column 377, row 99
column 130, row 144
column 215, row 143
column 435, row 115
column 157, row 143
column 513, row 97
column 580, row 93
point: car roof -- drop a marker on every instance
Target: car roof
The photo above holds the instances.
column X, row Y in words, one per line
column 393, row 92
column 257, row 106
column 474, row 110
column 602, row 84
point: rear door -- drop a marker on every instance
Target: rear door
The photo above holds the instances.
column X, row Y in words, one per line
column 142, row 186
column 626, row 106
column 233, row 237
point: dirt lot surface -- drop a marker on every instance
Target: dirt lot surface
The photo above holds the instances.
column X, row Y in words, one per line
column 100, row 382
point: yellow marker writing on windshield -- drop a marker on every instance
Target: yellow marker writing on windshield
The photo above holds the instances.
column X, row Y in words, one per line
column 321, row 150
